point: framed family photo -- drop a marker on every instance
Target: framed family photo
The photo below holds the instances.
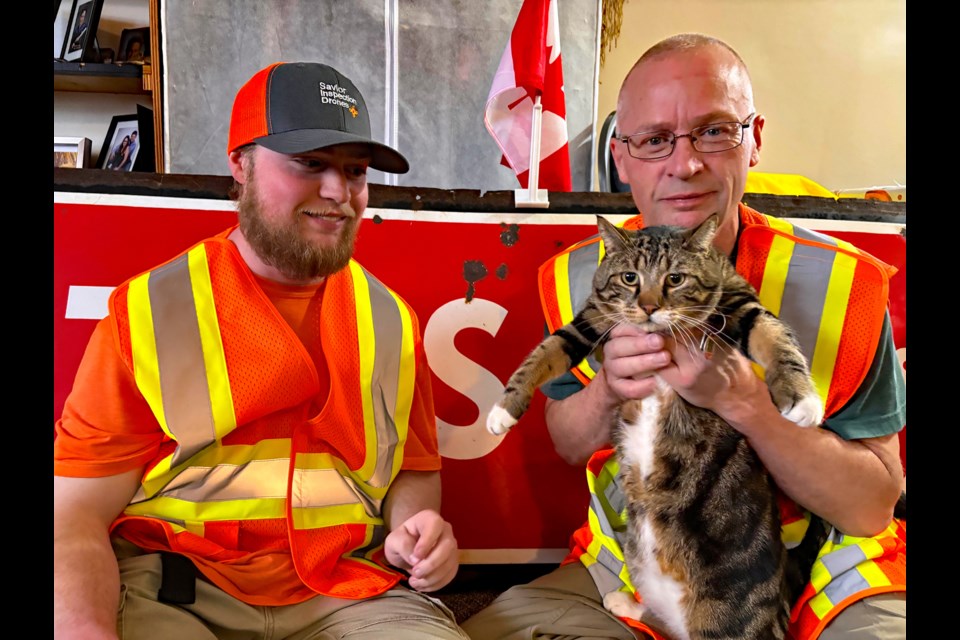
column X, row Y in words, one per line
column 134, row 45
column 71, row 152
column 81, row 32
column 122, row 144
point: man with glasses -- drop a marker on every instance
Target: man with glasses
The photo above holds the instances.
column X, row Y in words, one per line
column 688, row 132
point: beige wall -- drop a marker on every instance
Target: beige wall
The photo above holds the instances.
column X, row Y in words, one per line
column 828, row 75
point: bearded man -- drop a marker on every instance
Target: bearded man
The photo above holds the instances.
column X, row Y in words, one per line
column 250, row 442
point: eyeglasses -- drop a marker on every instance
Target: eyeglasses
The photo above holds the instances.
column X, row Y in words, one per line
column 708, row 138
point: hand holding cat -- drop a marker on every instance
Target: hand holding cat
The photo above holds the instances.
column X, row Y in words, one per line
column 631, row 357
column 723, row 381
column 425, row 547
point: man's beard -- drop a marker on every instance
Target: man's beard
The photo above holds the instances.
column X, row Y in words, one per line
column 283, row 247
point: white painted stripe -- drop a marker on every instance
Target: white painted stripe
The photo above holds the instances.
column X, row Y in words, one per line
column 512, row 556
column 818, row 224
column 147, row 202
column 87, row 303
column 468, row 217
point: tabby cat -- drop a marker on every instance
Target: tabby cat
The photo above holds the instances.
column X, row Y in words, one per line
column 703, row 543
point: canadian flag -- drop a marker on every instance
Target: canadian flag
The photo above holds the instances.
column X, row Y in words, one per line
column 530, row 67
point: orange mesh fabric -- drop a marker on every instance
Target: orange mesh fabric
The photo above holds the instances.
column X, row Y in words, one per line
column 249, row 117
column 352, row 580
column 861, row 333
column 253, row 358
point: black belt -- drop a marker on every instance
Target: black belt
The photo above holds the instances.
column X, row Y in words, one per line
column 178, row 579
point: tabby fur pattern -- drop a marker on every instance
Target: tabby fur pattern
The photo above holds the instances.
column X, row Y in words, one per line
column 703, row 544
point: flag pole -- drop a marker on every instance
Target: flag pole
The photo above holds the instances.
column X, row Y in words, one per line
column 532, row 197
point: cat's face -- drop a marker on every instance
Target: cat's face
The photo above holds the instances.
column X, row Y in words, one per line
column 661, row 279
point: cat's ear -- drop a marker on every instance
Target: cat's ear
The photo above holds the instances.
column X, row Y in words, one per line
column 614, row 238
column 702, row 237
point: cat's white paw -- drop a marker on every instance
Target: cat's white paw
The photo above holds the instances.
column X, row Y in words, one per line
column 806, row 413
column 499, row 421
column 623, row 605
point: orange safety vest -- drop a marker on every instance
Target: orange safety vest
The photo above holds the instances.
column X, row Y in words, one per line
column 834, row 297
column 247, row 464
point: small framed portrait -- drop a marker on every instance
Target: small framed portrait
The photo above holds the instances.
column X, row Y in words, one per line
column 79, row 44
column 122, row 144
column 71, row 152
column 134, row 46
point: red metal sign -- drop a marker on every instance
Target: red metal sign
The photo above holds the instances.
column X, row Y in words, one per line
column 471, row 279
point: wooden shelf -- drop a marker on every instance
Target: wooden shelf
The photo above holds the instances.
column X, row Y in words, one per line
column 122, row 78
column 101, row 78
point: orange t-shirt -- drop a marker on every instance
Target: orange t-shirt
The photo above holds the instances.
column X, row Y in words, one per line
column 107, row 428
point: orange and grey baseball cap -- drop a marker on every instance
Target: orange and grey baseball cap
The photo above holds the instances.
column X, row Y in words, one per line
column 295, row 107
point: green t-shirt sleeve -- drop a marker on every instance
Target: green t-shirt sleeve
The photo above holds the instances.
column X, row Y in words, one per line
column 879, row 407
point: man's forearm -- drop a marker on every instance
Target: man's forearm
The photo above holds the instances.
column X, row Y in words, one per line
column 410, row 493
column 86, row 584
column 580, row 424
column 853, row 484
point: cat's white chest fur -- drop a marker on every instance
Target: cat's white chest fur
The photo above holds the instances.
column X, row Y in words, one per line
column 661, row 594
column 639, row 436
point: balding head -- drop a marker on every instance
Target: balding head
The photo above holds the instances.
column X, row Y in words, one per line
column 729, row 66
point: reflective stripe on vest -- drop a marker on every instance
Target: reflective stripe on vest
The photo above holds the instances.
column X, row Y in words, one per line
column 180, row 367
column 574, row 295
column 848, row 566
column 604, row 558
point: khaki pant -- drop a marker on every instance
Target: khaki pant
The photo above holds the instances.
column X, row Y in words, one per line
column 565, row 605
column 400, row 614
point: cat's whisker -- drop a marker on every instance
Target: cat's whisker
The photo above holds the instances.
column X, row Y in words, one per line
column 683, row 336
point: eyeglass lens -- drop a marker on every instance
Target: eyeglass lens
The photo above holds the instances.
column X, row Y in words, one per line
column 708, row 138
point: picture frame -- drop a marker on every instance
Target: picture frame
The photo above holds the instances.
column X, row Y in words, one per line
column 134, row 46
column 79, row 43
column 71, row 152
column 61, row 18
column 113, row 155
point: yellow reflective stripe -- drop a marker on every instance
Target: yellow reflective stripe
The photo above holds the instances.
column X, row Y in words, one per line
column 367, row 345
column 873, row 574
column 828, row 337
column 143, row 344
column 234, row 455
column 819, row 576
column 562, row 277
column 215, row 362
column 779, row 224
column 599, row 540
column 183, row 510
column 792, row 533
column 820, row 604
column 159, row 475
column 314, row 518
column 843, row 244
column 775, row 274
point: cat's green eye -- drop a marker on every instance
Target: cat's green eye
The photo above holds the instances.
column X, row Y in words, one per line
column 629, row 278
column 675, row 279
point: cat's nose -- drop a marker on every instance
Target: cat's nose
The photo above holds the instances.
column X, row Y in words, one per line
column 649, row 308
